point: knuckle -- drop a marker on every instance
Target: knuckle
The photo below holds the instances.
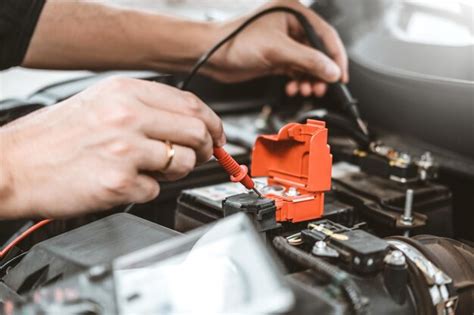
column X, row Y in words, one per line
column 119, row 115
column 208, row 153
column 187, row 162
column 151, row 191
column 118, row 181
column 221, row 128
column 269, row 52
column 121, row 148
column 193, row 104
column 200, row 134
column 117, row 83
column 319, row 64
column 154, row 191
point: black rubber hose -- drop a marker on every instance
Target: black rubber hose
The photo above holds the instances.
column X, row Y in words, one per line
column 337, row 121
column 332, row 273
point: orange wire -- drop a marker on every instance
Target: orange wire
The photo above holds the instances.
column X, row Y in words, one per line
column 23, row 235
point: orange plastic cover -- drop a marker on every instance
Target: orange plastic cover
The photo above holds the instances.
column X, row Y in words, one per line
column 298, row 156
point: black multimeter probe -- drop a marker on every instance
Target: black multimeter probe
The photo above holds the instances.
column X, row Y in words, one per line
column 339, row 88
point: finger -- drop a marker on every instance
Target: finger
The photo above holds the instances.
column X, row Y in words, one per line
column 144, row 189
column 181, row 167
column 179, row 129
column 336, row 51
column 156, row 159
column 291, row 88
column 160, row 96
column 331, row 41
column 306, row 59
column 319, row 88
column 305, row 88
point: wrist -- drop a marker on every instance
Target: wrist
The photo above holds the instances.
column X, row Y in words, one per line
column 221, row 63
column 215, row 33
column 170, row 48
column 10, row 204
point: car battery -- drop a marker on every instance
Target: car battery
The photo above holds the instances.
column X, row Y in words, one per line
column 203, row 205
column 295, row 170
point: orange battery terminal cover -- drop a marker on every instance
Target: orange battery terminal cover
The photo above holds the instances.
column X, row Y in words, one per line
column 298, row 156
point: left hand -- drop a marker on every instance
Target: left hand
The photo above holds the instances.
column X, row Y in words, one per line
column 275, row 44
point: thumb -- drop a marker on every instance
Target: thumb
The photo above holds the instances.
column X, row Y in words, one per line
column 296, row 56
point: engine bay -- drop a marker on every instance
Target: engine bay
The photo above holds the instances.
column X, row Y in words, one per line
column 359, row 225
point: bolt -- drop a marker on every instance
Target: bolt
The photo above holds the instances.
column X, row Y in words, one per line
column 405, row 158
column 423, row 174
column 320, row 244
column 356, row 260
column 292, row 192
column 395, row 258
column 370, row 261
column 427, row 158
column 425, row 163
column 407, row 217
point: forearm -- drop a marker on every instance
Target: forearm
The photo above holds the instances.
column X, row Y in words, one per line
column 88, row 35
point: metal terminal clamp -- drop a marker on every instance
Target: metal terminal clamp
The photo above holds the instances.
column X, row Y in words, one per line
column 436, row 279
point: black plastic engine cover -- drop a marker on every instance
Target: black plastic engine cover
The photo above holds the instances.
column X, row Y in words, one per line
column 93, row 244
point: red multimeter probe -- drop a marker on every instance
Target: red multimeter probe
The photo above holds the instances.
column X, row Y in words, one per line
column 238, row 173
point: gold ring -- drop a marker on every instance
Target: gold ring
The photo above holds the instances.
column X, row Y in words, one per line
column 170, row 152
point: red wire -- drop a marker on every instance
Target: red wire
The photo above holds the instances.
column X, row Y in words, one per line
column 23, row 235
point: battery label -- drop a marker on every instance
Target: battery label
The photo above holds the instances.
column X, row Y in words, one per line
column 222, row 191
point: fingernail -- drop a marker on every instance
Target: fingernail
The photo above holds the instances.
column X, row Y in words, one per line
column 305, row 89
column 291, row 89
column 222, row 141
column 332, row 71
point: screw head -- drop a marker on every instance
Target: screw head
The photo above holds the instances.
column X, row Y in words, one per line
column 97, row 272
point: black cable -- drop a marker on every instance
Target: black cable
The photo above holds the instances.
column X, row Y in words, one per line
column 11, row 261
column 204, row 58
column 332, row 273
column 340, row 89
column 338, row 121
column 129, row 207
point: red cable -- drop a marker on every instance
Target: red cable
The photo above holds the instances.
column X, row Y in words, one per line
column 23, row 235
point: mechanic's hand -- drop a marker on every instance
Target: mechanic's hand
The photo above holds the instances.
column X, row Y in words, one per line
column 99, row 148
column 275, row 44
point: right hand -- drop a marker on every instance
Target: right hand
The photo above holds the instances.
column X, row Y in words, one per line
column 97, row 149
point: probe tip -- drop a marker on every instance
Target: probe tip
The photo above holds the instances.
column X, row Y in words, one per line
column 257, row 192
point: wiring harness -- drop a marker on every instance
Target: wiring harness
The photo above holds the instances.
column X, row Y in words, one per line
column 324, row 270
column 22, row 236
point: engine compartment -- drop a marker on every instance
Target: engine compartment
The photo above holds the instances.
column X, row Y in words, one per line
column 393, row 235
